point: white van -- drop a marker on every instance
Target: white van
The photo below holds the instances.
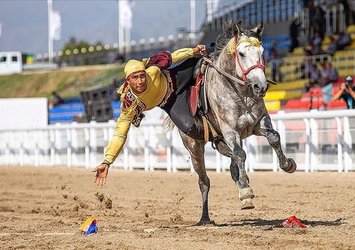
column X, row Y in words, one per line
column 10, row 62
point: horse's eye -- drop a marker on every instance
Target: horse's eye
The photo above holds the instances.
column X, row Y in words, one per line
column 241, row 54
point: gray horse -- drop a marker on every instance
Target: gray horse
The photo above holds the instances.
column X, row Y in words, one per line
column 237, row 109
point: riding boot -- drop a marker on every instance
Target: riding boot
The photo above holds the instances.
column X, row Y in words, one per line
column 195, row 131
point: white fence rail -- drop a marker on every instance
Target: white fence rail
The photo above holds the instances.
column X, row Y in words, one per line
column 317, row 140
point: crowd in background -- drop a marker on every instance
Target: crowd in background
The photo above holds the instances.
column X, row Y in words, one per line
column 319, row 71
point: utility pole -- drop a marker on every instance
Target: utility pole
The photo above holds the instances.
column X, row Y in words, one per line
column 193, row 20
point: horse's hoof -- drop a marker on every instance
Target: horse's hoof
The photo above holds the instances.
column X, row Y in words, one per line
column 292, row 166
column 247, row 204
column 204, row 222
column 246, row 193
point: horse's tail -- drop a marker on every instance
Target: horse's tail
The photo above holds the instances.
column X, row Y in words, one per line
column 168, row 124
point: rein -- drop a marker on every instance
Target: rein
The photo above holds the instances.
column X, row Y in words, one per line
column 224, row 73
column 259, row 64
column 229, row 76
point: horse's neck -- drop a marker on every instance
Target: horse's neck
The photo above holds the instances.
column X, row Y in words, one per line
column 226, row 62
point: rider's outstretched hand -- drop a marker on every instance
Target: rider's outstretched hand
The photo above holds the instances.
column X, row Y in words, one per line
column 200, row 50
column 101, row 173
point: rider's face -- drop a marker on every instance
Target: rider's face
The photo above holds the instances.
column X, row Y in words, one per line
column 138, row 82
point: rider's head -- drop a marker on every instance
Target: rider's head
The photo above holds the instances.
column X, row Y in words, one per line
column 348, row 81
column 136, row 76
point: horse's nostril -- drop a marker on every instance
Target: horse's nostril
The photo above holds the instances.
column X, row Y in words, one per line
column 256, row 87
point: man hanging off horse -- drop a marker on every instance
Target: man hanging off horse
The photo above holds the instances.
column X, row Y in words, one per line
column 149, row 84
column 235, row 84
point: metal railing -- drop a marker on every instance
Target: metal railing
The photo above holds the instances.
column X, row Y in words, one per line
column 317, row 140
column 296, row 67
column 334, row 21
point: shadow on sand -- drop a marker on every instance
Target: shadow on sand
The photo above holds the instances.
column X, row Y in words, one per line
column 278, row 223
column 262, row 223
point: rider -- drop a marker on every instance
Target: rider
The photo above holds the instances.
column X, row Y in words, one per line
column 148, row 84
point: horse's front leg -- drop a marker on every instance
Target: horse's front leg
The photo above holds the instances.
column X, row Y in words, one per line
column 238, row 172
column 273, row 137
column 196, row 149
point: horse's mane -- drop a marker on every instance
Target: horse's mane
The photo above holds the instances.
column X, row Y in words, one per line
column 228, row 33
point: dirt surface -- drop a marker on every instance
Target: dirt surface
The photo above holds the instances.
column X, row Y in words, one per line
column 43, row 208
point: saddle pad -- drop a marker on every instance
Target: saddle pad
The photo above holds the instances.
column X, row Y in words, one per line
column 203, row 104
column 193, row 100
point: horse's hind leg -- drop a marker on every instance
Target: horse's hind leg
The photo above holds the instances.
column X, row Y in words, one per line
column 273, row 137
column 196, row 149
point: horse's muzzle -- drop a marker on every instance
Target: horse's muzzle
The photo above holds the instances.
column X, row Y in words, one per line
column 259, row 92
column 262, row 94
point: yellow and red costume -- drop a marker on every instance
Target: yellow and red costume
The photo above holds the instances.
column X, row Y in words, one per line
column 132, row 104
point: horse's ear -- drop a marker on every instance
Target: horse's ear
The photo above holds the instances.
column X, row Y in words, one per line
column 236, row 29
column 228, row 26
column 259, row 29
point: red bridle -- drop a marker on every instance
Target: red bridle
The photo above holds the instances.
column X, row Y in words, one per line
column 259, row 64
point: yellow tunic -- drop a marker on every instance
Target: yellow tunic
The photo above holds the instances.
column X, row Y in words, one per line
column 156, row 89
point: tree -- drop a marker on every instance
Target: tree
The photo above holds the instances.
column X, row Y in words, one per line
column 74, row 44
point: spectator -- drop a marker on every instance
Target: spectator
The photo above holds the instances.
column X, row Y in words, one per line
column 329, row 72
column 332, row 47
column 56, row 99
column 269, row 51
column 344, row 39
column 329, row 76
column 307, row 51
column 316, row 43
column 319, row 21
column 347, row 11
column 300, row 70
column 311, row 13
column 314, row 75
column 347, row 92
column 114, row 87
column 352, row 12
column 119, row 58
column 294, row 33
column 275, row 66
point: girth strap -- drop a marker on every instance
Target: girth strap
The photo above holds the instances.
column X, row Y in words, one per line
column 206, row 128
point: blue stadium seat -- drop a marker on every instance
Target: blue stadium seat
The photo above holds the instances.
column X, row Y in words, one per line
column 65, row 113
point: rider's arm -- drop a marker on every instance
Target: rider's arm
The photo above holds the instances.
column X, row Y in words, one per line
column 351, row 92
column 119, row 136
column 339, row 93
column 182, row 54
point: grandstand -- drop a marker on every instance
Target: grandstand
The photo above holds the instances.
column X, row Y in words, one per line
column 289, row 94
column 343, row 60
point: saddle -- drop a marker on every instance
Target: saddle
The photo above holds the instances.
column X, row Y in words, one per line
column 197, row 93
column 198, row 102
column 198, row 97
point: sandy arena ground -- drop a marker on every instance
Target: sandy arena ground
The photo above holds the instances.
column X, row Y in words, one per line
column 42, row 208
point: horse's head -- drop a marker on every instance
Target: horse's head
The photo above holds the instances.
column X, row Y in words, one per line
column 248, row 54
